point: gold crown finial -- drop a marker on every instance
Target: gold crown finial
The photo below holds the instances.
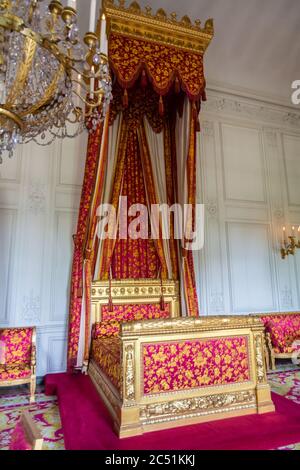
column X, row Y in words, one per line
column 160, row 27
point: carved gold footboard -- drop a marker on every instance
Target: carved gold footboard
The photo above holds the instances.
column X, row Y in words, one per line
column 183, row 371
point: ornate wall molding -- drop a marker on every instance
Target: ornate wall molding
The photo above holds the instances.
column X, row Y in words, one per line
column 278, row 214
column 211, row 207
column 207, row 128
column 217, row 302
column 31, row 308
column 271, row 138
column 36, row 198
column 286, row 298
column 251, row 109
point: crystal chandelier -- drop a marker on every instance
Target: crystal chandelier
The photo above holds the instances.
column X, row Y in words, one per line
column 52, row 84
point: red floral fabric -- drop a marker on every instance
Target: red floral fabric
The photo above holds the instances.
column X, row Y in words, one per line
column 14, row 372
column 78, row 257
column 106, row 328
column 284, row 330
column 134, row 259
column 277, row 318
column 19, row 439
column 185, row 365
column 162, row 63
column 106, row 352
column 16, row 344
column 134, row 312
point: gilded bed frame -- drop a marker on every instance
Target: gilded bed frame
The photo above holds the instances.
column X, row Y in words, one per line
column 135, row 413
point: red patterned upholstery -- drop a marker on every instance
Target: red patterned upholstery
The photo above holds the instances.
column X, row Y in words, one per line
column 14, row 372
column 110, row 324
column 106, row 345
column 124, row 313
column 17, row 357
column 185, row 365
column 107, row 355
column 284, row 330
column 17, row 345
column 106, row 329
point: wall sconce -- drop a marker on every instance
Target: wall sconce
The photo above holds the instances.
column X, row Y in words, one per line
column 290, row 243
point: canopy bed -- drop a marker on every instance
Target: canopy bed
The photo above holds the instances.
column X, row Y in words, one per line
column 134, row 316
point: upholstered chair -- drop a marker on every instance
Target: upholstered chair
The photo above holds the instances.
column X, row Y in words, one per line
column 18, row 358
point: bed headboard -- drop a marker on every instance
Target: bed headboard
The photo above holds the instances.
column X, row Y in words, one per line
column 134, row 292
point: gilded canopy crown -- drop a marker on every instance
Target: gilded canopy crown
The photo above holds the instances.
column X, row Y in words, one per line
column 157, row 27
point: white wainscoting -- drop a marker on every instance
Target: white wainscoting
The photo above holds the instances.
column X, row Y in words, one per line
column 250, row 176
column 249, row 170
column 39, row 199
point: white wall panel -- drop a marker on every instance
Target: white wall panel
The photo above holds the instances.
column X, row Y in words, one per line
column 291, row 145
column 251, row 177
column 11, row 171
column 72, row 154
column 39, row 199
column 250, row 268
column 65, row 227
column 7, row 240
column 243, row 164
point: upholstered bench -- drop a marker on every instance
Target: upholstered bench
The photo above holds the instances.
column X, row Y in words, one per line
column 18, row 358
column 282, row 334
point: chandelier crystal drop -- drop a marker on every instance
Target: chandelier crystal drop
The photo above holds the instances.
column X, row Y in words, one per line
column 52, row 84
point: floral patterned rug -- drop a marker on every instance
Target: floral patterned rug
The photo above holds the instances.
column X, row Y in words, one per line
column 45, row 411
column 287, row 384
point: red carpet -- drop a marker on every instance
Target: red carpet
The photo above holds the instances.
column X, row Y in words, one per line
column 87, row 425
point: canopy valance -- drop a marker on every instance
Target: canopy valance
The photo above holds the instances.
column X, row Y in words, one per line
column 166, row 51
column 134, row 60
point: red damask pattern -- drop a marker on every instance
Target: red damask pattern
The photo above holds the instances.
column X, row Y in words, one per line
column 142, row 102
column 14, row 372
column 106, row 328
column 124, row 313
column 128, row 57
column 284, row 331
column 15, row 344
column 134, row 259
column 78, row 257
column 106, row 352
column 192, row 364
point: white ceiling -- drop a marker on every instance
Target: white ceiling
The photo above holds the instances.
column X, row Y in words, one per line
column 256, row 47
